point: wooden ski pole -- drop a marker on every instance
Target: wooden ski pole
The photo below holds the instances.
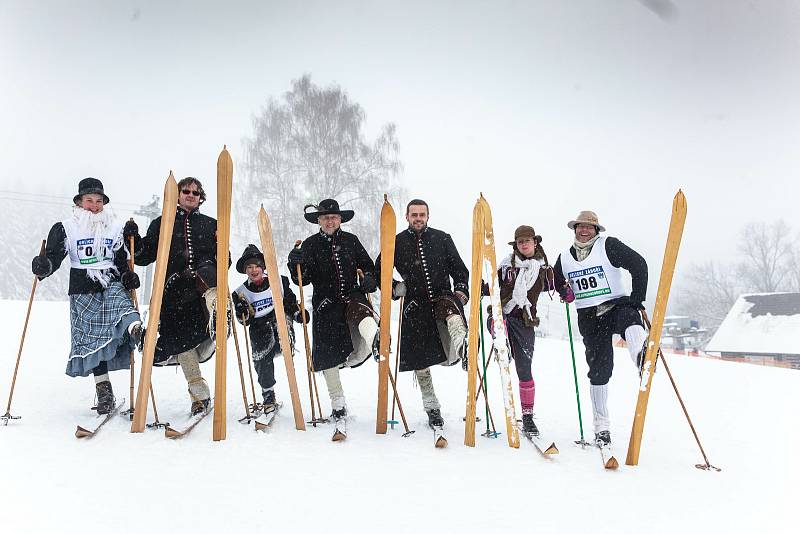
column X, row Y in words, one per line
column 489, row 418
column 7, row 416
column 400, row 406
column 397, row 356
column 312, row 379
column 707, row 466
column 156, row 424
column 247, row 417
column 135, row 305
column 255, row 404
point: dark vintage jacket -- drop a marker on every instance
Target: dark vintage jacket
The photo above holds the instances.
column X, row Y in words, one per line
column 330, row 264
column 191, row 268
column 427, row 262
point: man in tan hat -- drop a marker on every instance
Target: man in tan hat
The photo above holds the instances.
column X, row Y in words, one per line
column 591, row 274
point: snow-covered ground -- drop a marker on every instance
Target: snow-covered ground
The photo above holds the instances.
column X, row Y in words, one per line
column 286, row 479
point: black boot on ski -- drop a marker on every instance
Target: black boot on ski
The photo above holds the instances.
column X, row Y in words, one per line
column 336, row 415
column 269, row 400
column 435, row 418
column 602, row 438
column 200, row 406
column 105, row 397
column 528, row 426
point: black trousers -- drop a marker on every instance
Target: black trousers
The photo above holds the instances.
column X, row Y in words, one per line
column 597, row 335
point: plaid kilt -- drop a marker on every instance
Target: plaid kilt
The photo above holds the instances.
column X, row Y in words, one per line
column 99, row 330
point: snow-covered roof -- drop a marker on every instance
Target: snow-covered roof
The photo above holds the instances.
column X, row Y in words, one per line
column 765, row 323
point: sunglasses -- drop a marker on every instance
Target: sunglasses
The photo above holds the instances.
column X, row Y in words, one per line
column 190, row 192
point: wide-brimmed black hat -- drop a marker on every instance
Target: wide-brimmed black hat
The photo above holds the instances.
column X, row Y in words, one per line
column 88, row 186
column 326, row 207
column 250, row 252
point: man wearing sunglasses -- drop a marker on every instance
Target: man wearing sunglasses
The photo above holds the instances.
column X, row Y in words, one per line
column 187, row 308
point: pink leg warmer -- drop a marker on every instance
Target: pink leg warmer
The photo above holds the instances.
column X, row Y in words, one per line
column 527, row 391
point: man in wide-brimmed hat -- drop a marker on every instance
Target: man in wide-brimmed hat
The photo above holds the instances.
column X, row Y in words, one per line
column 105, row 326
column 522, row 276
column 254, row 306
column 187, row 307
column 434, row 328
column 591, row 274
column 344, row 326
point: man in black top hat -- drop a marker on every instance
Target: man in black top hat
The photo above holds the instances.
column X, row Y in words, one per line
column 105, row 326
column 254, row 306
column 344, row 326
column 434, row 329
column 187, row 308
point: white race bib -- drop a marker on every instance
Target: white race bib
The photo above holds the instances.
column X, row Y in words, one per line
column 262, row 301
column 84, row 253
column 593, row 280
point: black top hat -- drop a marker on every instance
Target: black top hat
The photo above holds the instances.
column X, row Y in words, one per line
column 88, row 186
column 327, row 207
column 250, row 252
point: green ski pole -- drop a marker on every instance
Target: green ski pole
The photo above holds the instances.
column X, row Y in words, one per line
column 485, row 388
column 582, row 442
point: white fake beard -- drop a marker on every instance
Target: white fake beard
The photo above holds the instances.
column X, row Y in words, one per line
column 97, row 225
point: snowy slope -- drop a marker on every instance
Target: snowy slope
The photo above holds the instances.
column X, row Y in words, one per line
column 122, row 482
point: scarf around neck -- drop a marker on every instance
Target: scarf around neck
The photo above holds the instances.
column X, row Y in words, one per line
column 582, row 250
column 97, row 225
column 526, row 276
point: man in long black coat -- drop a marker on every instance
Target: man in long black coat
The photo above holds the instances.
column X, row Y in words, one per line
column 190, row 288
column 434, row 330
column 344, row 326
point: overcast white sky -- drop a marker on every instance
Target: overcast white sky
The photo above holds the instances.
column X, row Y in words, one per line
column 547, row 107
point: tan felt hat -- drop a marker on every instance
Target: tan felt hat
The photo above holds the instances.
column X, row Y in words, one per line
column 586, row 217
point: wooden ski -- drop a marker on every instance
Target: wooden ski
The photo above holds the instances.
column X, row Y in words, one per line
column 500, row 338
column 168, row 211
column 268, row 248
column 193, row 421
column 676, row 225
column 82, row 432
column 388, row 236
column 474, row 323
column 224, row 184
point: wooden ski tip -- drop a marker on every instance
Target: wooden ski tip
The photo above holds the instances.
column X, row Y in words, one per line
column 552, row 449
column 612, row 463
column 81, row 432
column 261, row 426
column 441, row 443
column 171, row 433
column 224, row 147
column 385, row 197
column 338, row 436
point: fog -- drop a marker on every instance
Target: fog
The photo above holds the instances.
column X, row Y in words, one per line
column 548, row 108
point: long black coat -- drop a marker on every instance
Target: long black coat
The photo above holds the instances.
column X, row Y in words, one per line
column 426, row 262
column 330, row 263
column 184, row 317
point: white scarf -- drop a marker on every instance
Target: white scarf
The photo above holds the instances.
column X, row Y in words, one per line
column 97, row 225
column 582, row 250
column 526, row 276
